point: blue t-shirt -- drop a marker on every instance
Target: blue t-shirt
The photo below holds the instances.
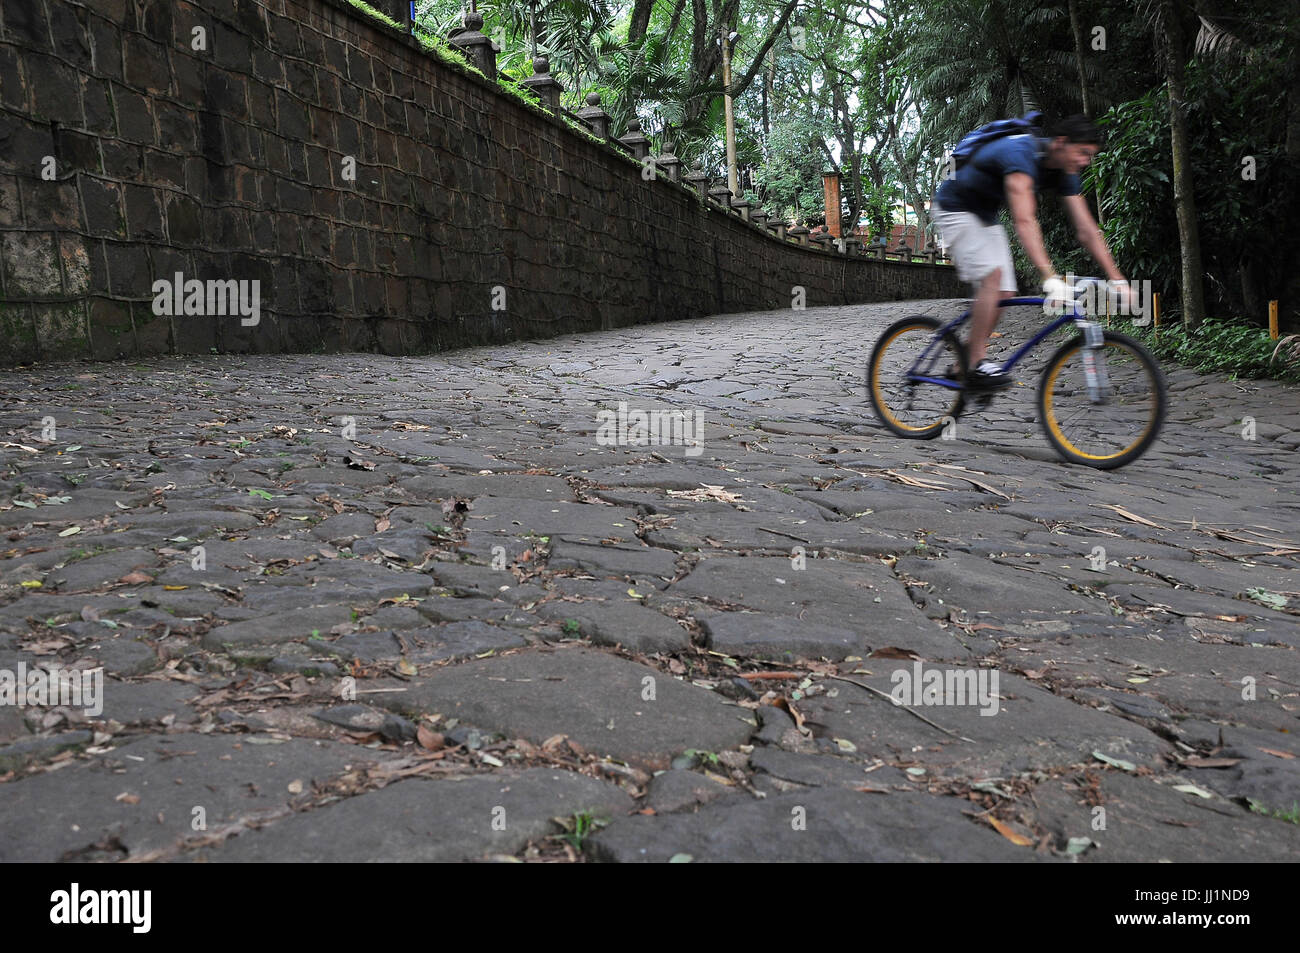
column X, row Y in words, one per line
column 978, row 186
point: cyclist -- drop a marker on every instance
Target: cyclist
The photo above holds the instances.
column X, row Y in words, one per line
column 1010, row 171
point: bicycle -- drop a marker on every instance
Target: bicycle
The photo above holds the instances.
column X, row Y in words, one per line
column 1117, row 385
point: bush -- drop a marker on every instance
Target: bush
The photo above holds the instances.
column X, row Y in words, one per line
column 1223, row 347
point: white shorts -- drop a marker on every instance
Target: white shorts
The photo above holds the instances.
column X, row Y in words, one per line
column 974, row 247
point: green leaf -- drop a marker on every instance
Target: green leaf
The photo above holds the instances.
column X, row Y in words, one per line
column 1077, row 845
column 1267, row 598
column 1192, row 789
column 1116, row 762
column 260, row 493
column 680, row 859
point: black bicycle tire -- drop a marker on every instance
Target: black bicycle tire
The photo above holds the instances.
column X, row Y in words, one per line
column 1136, row 450
column 916, row 320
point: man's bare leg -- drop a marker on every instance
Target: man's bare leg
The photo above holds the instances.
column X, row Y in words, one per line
column 984, row 316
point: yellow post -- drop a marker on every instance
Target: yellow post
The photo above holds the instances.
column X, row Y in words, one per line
column 1272, row 320
column 1155, row 313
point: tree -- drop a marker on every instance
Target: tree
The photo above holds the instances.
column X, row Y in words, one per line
column 1189, row 238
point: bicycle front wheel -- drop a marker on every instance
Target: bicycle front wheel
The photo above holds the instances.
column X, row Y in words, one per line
column 1111, row 428
column 918, row 410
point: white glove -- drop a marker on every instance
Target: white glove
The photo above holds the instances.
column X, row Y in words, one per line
column 1056, row 295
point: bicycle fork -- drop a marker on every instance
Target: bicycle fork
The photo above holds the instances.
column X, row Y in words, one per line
column 1094, row 361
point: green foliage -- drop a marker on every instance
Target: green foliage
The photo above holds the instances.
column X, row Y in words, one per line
column 1292, row 816
column 578, row 827
column 374, row 14
column 1221, row 346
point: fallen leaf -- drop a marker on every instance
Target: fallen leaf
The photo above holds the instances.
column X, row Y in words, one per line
column 1005, row 830
column 429, row 739
column 1116, row 762
column 1211, row 762
column 1130, row 516
column 1192, row 789
column 355, row 463
column 406, row 668
column 71, row 531
column 1077, row 845
column 295, row 787
column 892, row 651
column 705, row 493
column 1262, row 596
column 135, row 578
column 127, row 798
column 174, row 588
column 1278, row 754
column 381, row 525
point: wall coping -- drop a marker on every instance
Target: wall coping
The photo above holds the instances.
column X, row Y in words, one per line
column 455, row 62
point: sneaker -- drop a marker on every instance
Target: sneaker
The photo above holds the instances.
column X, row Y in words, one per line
column 988, row 376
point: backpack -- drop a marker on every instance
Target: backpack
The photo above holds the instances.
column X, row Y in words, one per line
column 972, row 142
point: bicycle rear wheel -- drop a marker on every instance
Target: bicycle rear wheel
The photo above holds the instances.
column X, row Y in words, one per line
column 914, row 409
column 1124, row 424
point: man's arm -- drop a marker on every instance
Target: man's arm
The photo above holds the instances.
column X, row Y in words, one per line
column 1024, row 212
column 1090, row 236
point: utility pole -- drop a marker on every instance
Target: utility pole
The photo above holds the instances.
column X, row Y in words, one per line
column 733, row 179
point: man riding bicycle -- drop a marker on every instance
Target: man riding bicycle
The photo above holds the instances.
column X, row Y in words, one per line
column 1010, row 170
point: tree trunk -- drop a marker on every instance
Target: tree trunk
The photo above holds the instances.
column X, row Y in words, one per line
column 1290, row 302
column 1189, row 240
column 1077, row 30
column 640, row 22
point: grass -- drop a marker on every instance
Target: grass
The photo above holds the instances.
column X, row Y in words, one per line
column 579, row 827
column 1292, row 816
column 1221, row 346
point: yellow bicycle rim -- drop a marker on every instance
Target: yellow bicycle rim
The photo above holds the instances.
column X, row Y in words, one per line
column 880, row 397
column 1049, row 415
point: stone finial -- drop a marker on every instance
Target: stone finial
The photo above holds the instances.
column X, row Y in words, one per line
column 636, row 143
column 595, row 117
column 546, row 86
column 722, row 195
column 931, row 252
column 671, row 165
column 698, row 180
column 478, row 49
column 903, row 250
column 799, row 233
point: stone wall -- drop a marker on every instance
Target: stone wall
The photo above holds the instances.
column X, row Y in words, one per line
column 144, row 139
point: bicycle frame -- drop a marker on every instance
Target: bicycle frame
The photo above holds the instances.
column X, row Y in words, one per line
column 915, row 376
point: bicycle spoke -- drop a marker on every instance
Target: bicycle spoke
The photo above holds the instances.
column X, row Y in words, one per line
column 1124, row 414
column 909, row 405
